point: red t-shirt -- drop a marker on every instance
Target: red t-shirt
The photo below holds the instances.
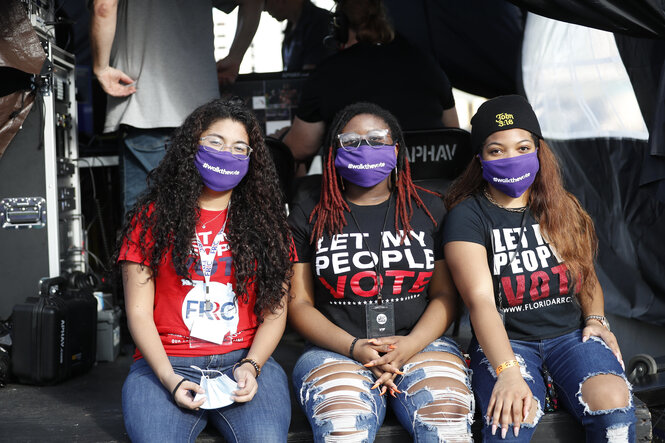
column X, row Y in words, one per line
column 180, row 304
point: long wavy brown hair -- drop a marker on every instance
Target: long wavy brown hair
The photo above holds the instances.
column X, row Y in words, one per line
column 564, row 223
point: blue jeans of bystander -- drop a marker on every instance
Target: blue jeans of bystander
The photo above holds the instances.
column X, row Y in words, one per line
column 143, row 150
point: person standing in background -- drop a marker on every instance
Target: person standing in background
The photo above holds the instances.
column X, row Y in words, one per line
column 306, row 27
column 155, row 60
column 375, row 65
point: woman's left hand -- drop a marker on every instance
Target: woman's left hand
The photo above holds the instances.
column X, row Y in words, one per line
column 247, row 385
column 595, row 329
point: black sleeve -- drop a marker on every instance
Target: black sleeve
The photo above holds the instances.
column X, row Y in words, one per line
column 314, row 50
column 432, row 75
column 447, row 98
column 301, row 231
column 464, row 223
column 309, row 107
column 444, row 90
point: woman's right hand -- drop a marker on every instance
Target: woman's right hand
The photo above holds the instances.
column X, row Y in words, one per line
column 183, row 395
column 364, row 352
column 510, row 401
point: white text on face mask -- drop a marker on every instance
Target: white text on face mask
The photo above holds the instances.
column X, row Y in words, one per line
column 220, row 170
column 367, row 165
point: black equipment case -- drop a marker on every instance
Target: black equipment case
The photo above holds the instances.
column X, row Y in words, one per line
column 54, row 335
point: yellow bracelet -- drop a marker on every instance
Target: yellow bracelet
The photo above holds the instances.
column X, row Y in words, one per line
column 506, row 365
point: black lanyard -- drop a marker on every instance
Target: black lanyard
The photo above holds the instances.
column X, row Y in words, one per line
column 378, row 268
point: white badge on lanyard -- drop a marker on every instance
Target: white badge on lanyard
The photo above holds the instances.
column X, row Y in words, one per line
column 218, row 313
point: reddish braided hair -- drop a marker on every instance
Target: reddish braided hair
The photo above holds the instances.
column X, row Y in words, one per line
column 328, row 214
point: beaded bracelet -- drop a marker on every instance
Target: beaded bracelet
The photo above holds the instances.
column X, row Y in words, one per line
column 506, row 365
column 353, row 345
column 257, row 368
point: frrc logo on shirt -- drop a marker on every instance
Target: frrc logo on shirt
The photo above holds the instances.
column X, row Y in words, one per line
column 217, row 311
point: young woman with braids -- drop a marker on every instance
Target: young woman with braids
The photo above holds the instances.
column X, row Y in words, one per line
column 521, row 251
column 206, row 269
column 372, row 295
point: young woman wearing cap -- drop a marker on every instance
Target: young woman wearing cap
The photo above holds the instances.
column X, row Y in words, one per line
column 521, row 252
column 206, row 267
column 371, row 335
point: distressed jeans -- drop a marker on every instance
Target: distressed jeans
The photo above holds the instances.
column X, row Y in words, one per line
column 570, row 363
column 151, row 415
column 346, row 409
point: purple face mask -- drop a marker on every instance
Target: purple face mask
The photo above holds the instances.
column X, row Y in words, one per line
column 220, row 171
column 513, row 175
column 366, row 165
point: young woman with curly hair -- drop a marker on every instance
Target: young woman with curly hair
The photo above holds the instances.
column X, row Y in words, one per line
column 521, row 252
column 206, row 268
column 372, row 294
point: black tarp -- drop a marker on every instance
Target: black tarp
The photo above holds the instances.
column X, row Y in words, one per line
column 604, row 174
column 639, row 18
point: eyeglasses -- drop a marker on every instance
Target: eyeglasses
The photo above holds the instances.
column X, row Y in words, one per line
column 213, row 143
column 375, row 138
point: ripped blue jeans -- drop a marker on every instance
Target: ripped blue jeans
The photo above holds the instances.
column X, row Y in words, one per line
column 435, row 403
column 570, row 363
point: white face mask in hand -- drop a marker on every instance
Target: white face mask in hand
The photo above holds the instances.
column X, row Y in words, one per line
column 218, row 389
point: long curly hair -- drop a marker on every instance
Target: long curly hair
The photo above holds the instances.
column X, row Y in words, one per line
column 257, row 232
column 563, row 221
column 329, row 212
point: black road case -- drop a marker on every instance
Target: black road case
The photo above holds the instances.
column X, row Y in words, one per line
column 54, row 335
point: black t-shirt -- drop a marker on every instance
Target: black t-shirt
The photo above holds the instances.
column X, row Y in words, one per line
column 395, row 76
column 342, row 268
column 303, row 44
column 535, row 287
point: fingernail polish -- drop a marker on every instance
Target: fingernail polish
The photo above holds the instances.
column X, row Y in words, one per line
column 493, row 429
column 516, row 431
column 392, row 347
column 504, row 431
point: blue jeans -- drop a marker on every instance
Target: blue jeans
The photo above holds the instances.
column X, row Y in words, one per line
column 570, row 363
column 151, row 415
column 334, row 392
column 143, row 150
